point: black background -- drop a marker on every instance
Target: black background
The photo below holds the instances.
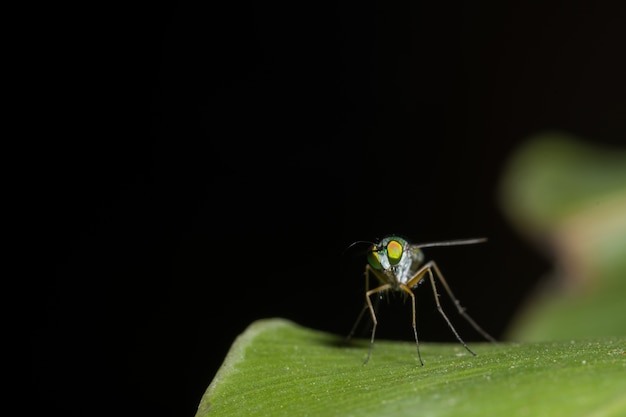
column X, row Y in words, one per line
column 207, row 166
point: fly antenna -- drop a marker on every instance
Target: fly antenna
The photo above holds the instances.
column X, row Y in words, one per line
column 356, row 243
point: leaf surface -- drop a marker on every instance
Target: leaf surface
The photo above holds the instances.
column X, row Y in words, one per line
column 278, row 368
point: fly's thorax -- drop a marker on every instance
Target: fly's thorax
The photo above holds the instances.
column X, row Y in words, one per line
column 417, row 258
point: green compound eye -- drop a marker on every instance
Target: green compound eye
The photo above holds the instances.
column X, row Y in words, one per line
column 394, row 252
column 374, row 260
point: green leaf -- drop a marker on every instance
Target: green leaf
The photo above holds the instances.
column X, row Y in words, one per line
column 277, row 368
column 568, row 196
column 554, row 175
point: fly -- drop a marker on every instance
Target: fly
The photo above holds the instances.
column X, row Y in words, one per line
column 399, row 266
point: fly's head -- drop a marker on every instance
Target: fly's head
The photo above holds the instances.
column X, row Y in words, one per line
column 395, row 257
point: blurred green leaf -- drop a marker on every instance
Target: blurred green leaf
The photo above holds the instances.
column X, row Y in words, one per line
column 277, row 368
column 554, row 175
column 569, row 198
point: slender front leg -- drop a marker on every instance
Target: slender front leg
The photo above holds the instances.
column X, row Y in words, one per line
column 356, row 323
column 384, row 287
column 417, row 343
